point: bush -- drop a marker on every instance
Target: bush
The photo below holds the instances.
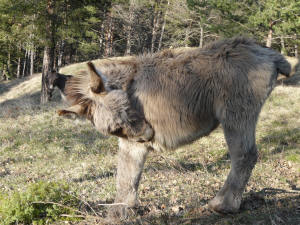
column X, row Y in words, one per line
column 41, row 203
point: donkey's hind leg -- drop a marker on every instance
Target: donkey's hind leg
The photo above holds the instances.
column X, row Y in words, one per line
column 243, row 154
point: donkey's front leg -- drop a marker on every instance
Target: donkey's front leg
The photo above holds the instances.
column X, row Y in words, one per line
column 131, row 159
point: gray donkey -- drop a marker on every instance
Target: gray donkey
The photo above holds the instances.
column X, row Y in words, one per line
column 174, row 97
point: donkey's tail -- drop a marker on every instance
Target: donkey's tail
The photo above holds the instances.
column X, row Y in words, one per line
column 282, row 65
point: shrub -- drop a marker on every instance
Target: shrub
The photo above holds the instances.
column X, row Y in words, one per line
column 41, row 203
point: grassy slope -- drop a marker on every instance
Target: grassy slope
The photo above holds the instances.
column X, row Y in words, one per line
column 36, row 144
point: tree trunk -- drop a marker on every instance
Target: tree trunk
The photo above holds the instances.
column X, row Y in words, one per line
column 9, row 72
column 128, row 43
column 269, row 38
column 282, row 45
column 101, row 39
column 187, row 35
column 163, row 27
column 49, row 50
column 55, row 61
column 47, row 68
column 61, row 50
column 19, row 67
column 111, row 37
column 201, row 36
column 108, row 37
column 129, row 28
column 4, row 73
column 154, row 29
column 31, row 62
column 19, row 62
column 296, row 46
column 68, row 59
column 25, row 63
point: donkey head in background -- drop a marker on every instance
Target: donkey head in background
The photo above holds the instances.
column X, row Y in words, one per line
column 108, row 109
column 58, row 80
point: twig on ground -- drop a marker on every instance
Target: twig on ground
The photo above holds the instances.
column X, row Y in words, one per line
column 61, row 205
column 72, row 216
column 84, row 202
column 114, row 204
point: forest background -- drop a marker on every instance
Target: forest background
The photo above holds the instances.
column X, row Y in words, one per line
column 44, row 35
column 55, row 171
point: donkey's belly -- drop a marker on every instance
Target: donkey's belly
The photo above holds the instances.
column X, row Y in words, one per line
column 174, row 128
column 180, row 108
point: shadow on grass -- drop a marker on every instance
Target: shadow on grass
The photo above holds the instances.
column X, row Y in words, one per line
column 88, row 177
column 211, row 167
column 282, row 140
column 183, row 165
column 6, row 86
column 266, row 207
column 17, row 106
column 26, row 104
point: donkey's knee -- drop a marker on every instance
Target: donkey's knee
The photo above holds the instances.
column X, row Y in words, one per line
column 251, row 155
column 245, row 159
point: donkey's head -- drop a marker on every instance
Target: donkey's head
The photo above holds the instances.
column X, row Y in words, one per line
column 53, row 76
column 58, row 80
column 108, row 109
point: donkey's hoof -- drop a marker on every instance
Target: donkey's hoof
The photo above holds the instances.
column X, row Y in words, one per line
column 116, row 214
column 220, row 205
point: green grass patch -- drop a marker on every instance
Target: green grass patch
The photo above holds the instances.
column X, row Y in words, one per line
column 293, row 157
column 40, row 203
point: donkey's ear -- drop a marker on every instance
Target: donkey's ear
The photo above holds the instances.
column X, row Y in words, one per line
column 73, row 111
column 96, row 81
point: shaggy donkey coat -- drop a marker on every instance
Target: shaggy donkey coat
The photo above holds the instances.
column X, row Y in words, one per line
column 181, row 95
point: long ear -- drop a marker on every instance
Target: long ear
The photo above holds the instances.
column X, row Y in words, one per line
column 96, row 82
column 75, row 110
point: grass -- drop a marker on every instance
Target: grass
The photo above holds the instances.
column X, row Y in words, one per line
column 36, row 145
column 41, row 203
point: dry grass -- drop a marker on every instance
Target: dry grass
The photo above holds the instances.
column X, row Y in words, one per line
column 36, row 144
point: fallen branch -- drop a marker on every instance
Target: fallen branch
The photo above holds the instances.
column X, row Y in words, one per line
column 61, row 205
column 86, row 203
column 114, row 204
column 72, row 216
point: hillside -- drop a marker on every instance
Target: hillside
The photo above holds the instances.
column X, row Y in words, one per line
column 36, row 144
